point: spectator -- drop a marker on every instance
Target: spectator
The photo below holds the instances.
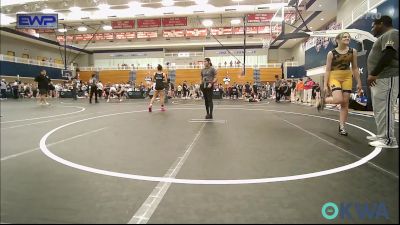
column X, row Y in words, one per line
column 300, row 91
column 3, row 88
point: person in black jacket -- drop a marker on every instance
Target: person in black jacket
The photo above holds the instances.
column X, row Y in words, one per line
column 43, row 86
column 93, row 89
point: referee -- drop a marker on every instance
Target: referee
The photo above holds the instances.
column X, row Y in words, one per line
column 209, row 78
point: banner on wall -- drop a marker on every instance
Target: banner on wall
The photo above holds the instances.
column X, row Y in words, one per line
column 146, row 34
column 123, row 24
column 124, row 35
column 251, row 30
column 174, row 33
column 238, row 30
column 197, row 32
column 174, row 21
column 264, row 30
column 259, row 17
column 148, row 23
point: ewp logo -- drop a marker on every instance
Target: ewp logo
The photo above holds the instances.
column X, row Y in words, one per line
column 362, row 210
column 35, row 21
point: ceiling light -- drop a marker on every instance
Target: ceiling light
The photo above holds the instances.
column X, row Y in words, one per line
column 107, row 27
column 82, row 28
column 167, row 2
column 62, row 30
column 235, row 21
column 322, row 18
column 310, row 27
column 75, row 9
column 134, row 4
column 103, row 6
column 48, row 11
column 201, row 2
column 207, row 23
column 319, row 5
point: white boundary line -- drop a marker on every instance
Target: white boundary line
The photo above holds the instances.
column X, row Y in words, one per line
column 360, row 162
column 357, row 114
column 147, row 209
column 45, row 121
column 338, row 147
column 58, row 142
column 82, row 109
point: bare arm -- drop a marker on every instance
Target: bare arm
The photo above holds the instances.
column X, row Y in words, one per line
column 354, row 67
column 328, row 69
column 356, row 72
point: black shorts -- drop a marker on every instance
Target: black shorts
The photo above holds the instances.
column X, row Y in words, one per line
column 43, row 91
column 159, row 88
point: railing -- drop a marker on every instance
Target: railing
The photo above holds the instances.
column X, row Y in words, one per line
column 363, row 8
column 184, row 54
column 99, row 68
column 174, row 67
column 9, row 58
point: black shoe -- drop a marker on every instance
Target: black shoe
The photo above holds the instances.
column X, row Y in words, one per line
column 210, row 117
column 342, row 131
column 207, row 117
column 96, row 102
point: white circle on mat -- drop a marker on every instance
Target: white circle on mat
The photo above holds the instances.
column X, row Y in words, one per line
column 360, row 162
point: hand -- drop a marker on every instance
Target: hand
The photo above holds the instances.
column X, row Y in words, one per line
column 359, row 88
column 371, row 80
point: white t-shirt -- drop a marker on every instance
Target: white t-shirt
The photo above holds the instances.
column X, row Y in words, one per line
column 100, row 86
column 3, row 85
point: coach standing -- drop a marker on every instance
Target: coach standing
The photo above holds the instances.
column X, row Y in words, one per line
column 383, row 78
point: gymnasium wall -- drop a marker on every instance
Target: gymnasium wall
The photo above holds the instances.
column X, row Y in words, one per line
column 26, row 70
column 38, row 51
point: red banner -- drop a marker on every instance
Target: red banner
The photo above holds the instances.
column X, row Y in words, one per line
column 217, row 31
column 87, row 37
column 173, row 33
column 259, row 17
column 200, row 32
column 146, row 23
column 130, row 35
column 123, row 24
column 97, row 37
column 124, row 35
column 228, row 30
column 78, row 37
column 147, row 34
column 264, row 30
column 238, row 30
column 251, row 30
column 175, row 21
column 60, row 38
column 108, row 36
